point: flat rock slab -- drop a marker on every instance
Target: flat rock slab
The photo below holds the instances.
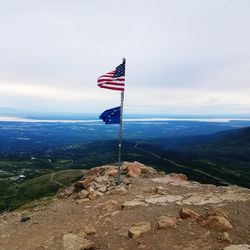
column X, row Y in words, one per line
column 173, row 181
column 200, row 198
column 163, row 199
column 237, row 247
column 214, row 198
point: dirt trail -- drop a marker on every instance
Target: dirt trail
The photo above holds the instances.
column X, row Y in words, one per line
column 55, row 182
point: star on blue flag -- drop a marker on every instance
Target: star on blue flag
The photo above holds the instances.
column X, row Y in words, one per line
column 111, row 116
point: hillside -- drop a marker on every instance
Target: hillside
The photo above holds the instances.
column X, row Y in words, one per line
column 17, row 194
column 225, row 155
column 236, row 142
column 228, row 155
column 219, row 159
column 149, row 210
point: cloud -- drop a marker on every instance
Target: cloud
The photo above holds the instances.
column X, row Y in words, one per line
column 187, row 55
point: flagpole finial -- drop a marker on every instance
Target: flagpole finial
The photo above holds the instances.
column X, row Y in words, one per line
column 124, row 60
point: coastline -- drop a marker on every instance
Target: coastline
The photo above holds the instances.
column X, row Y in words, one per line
column 155, row 119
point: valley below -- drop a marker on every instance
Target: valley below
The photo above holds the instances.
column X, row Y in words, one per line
column 30, row 153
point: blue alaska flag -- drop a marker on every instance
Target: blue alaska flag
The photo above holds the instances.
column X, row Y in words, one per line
column 111, row 116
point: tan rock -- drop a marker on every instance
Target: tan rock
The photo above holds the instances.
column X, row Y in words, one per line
column 218, row 211
column 98, row 193
column 162, row 173
column 188, row 213
column 133, row 170
column 149, row 190
column 114, row 213
column 179, row 176
column 88, row 229
column 86, row 199
column 112, row 172
column 145, row 170
column 131, row 204
column 126, row 182
column 225, row 237
column 65, row 193
column 216, row 222
column 82, row 194
column 237, row 247
column 161, row 190
column 139, row 228
column 76, row 242
column 166, row 222
column 92, row 195
column 91, row 188
column 96, row 171
column 102, row 189
column 102, row 179
column 163, row 199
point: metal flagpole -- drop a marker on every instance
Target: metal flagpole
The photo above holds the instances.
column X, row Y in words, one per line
column 118, row 181
column 120, row 142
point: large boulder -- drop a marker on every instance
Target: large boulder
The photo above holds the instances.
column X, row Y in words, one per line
column 139, row 228
column 218, row 212
column 216, row 222
column 136, row 169
column 217, row 219
column 133, row 170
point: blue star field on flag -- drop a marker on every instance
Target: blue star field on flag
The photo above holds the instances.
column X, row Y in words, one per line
column 111, row 116
column 120, row 70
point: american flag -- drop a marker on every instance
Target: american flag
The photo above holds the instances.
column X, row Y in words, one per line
column 114, row 80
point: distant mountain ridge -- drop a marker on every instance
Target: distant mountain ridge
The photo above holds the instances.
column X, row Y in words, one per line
column 235, row 141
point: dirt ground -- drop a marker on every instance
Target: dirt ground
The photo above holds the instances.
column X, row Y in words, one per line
column 49, row 223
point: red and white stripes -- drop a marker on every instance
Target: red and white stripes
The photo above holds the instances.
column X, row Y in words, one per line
column 108, row 81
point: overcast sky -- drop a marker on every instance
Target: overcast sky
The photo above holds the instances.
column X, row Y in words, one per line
column 183, row 57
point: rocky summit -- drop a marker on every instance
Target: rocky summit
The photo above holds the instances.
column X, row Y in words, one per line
column 148, row 210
